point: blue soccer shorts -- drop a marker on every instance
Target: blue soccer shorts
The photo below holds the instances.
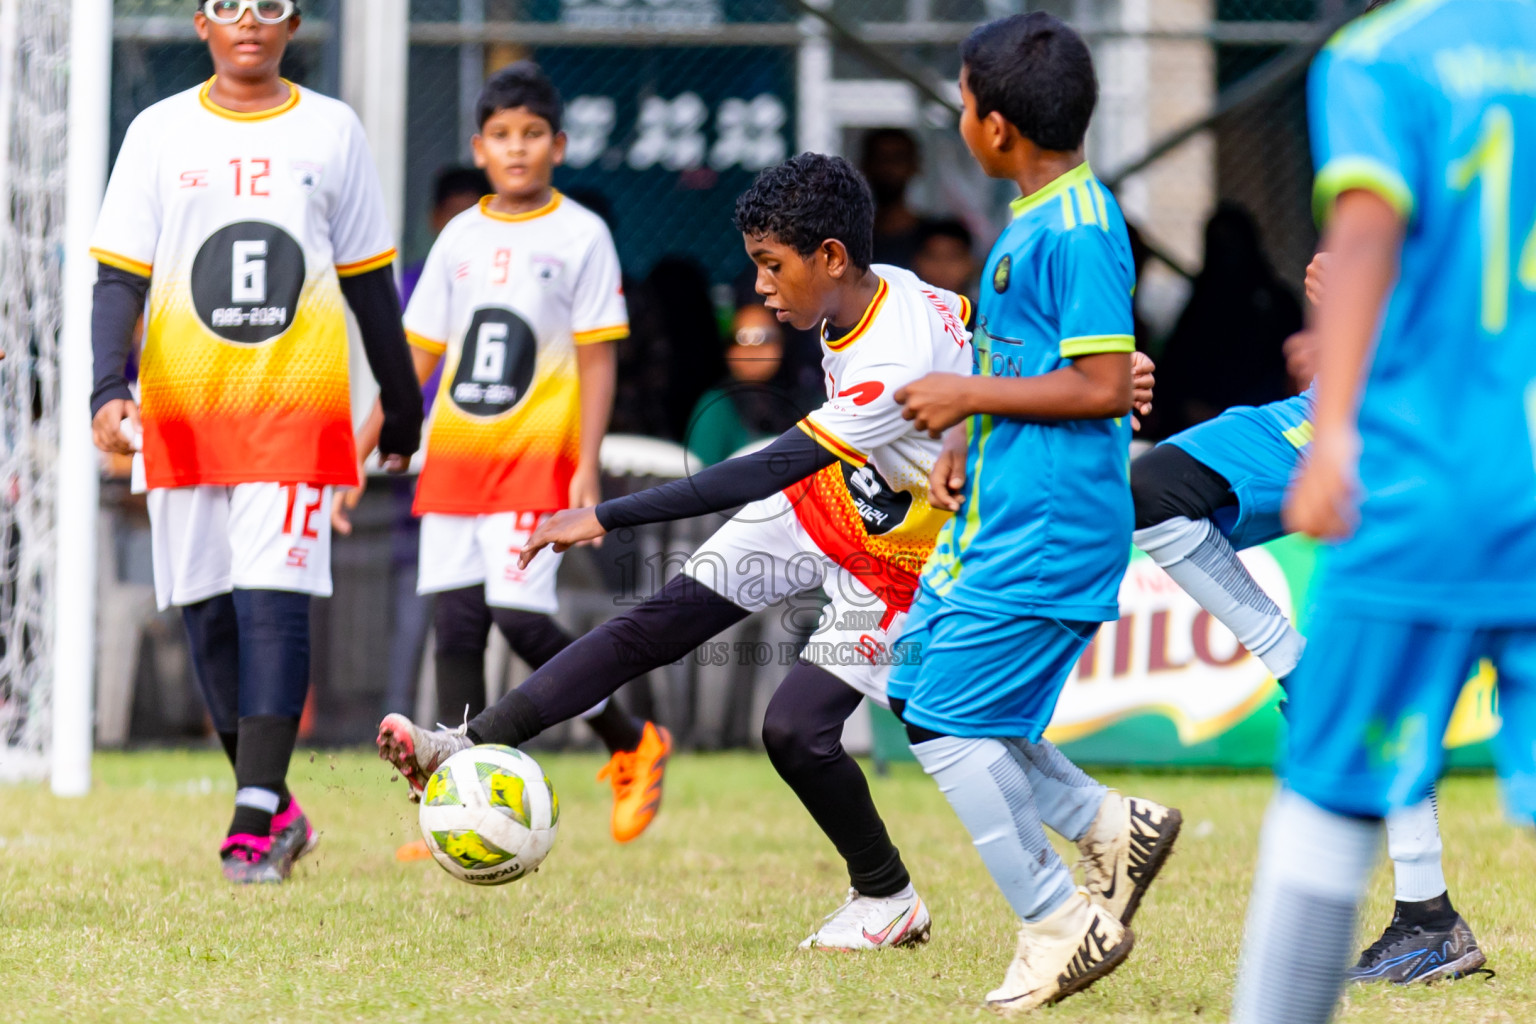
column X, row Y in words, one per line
column 1371, row 701
column 1249, row 448
column 970, row 673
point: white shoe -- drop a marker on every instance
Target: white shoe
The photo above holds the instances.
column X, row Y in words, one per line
column 1065, row 953
column 1123, row 850
column 873, row 922
column 416, row 752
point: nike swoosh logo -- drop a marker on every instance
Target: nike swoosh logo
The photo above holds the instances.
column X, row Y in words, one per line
column 880, row 936
column 1114, row 884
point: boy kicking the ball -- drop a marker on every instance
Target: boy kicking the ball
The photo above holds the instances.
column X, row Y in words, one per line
column 521, row 294
column 839, row 502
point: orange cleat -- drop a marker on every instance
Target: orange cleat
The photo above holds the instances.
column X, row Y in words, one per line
column 412, row 851
column 636, row 777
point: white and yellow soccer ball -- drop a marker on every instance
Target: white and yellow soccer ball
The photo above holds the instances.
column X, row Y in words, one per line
column 489, row 815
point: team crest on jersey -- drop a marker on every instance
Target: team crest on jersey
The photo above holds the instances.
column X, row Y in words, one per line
column 1001, row 273
column 306, row 175
column 547, row 268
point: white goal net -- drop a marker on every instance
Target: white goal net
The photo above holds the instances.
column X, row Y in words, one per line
column 34, row 45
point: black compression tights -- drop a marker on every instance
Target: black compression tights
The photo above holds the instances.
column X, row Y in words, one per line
column 803, row 732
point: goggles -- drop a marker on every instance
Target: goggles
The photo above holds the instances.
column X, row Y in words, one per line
column 268, row 12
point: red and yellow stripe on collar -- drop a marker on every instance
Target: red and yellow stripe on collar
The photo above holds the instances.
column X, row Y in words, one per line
column 838, row 344
column 832, row 443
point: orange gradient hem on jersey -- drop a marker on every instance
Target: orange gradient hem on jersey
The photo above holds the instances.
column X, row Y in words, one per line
column 466, row 485
column 826, row 511
column 257, row 447
column 122, row 262
column 356, row 267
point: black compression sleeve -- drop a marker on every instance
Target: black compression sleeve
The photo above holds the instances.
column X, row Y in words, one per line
column 116, row 303
column 792, row 457
column 376, row 304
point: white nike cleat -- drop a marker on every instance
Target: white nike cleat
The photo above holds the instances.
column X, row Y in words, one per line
column 1124, row 849
column 1065, row 953
column 873, row 922
column 416, row 752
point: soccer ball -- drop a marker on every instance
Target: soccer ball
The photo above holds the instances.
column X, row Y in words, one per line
column 489, row 815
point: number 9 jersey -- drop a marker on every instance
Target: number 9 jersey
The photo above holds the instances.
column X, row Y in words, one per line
column 505, row 299
column 244, row 223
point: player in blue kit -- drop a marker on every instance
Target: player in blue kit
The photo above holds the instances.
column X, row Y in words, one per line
column 1202, row 496
column 1422, row 466
column 1024, row 574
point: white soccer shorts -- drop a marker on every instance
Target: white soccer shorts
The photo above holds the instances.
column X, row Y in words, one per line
column 763, row 557
column 208, row 540
column 460, row 551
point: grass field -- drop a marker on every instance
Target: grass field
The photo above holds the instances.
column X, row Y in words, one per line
column 112, row 908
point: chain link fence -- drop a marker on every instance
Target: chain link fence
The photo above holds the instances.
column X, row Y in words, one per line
column 671, row 107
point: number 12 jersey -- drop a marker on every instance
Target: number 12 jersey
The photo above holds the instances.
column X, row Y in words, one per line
column 244, row 222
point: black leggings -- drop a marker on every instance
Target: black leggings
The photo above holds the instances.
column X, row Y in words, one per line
column 1168, row 481
column 803, row 732
column 462, row 621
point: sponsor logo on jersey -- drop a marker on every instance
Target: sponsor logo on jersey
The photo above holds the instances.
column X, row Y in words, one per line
column 306, row 175
column 194, row 179
column 863, row 394
column 882, row 507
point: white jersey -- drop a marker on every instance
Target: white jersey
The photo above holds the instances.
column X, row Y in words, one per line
column 506, row 299
column 870, row 511
column 243, row 222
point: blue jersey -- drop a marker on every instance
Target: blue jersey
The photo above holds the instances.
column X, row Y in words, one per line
column 1431, row 104
column 1044, row 528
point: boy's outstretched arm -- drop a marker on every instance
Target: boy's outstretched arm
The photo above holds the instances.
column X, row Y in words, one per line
column 1091, row 387
column 1363, row 242
column 789, row 459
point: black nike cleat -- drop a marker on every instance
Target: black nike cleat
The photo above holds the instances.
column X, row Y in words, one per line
column 1406, row 954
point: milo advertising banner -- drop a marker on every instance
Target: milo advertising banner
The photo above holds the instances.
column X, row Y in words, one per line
column 1169, row 685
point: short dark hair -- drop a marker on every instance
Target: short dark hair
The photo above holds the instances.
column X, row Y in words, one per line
column 1037, row 73
column 808, row 199
column 459, row 181
column 944, row 227
column 523, row 84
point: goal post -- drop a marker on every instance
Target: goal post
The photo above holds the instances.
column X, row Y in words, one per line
column 74, row 628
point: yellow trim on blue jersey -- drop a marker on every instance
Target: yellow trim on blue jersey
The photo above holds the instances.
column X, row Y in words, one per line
column 597, row 334
column 1068, row 211
column 113, row 259
column 1366, row 35
column 1076, row 176
column 950, row 569
column 1300, row 435
column 832, row 443
column 1093, row 344
column 838, row 344
column 1098, row 199
column 356, row 267
column 1085, row 203
column 1345, row 173
column 425, row 343
column 247, row 115
column 549, row 207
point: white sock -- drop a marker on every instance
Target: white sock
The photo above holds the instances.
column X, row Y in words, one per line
column 1313, row 865
column 1067, row 798
column 1413, row 843
column 991, row 795
column 1201, row 560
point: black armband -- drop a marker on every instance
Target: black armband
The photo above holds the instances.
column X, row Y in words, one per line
column 117, row 301
column 789, row 459
column 376, row 304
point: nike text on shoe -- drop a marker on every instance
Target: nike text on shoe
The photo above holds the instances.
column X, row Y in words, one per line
column 292, row 834
column 1124, row 849
column 873, row 922
column 1077, row 945
column 416, row 752
column 254, row 860
column 1410, row 953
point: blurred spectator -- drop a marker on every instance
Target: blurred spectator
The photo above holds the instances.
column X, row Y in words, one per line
column 640, row 391
column 454, row 190
column 1227, row 348
column 800, row 374
column 890, row 160
column 945, row 256
column 747, row 405
column 677, row 293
